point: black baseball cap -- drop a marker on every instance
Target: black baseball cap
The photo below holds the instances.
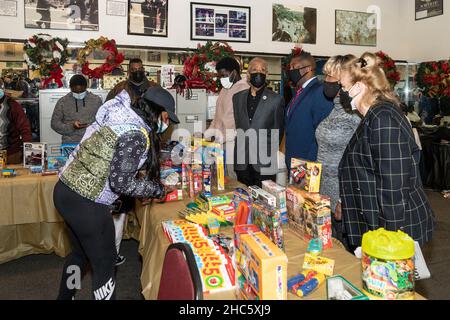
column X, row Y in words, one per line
column 163, row 98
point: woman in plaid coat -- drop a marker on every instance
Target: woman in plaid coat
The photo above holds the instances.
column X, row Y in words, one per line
column 380, row 185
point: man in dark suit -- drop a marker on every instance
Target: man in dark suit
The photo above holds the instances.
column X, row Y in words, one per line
column 306, row 110
column 259, row 117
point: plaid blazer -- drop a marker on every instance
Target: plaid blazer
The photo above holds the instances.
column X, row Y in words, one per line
column 379, row 178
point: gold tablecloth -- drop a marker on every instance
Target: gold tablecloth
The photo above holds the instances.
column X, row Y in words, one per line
column 154, row 243
column 29, row 223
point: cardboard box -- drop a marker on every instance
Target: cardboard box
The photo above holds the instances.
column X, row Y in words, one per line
column 268, row 219
column 305, row 174
column 3, row 159
column 309, row 215
column 258, row 193
column 279, row 192
column 33, row 154
column 261, row 267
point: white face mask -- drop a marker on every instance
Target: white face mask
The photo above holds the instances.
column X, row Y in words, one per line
column 79, row 96
column 162, row 126
column 226, row 83
column 353, row 102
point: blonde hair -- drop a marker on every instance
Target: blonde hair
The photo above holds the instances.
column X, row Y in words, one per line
column 256, row 60
column 334, row 65
column 367, row 70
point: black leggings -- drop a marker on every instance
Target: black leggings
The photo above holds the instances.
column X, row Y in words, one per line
column 91, row 231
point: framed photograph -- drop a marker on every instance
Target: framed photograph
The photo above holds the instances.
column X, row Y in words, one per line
column 148, row 17
column 429, row 8
column 294, row 23
column 8, row 8
column 356, row 28
column 116, row 8
column 63, row 15
column 220, row 22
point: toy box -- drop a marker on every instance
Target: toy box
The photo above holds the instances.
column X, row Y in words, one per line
column 258, row 193
column 305, row 174
column 309, row 215
column 3, row 159
column 279, row 193
column 54, row 163
column 67, row 149
column 319, row 264
column 225, row 211
column 261, row 267
column 33, row 154
column 268, row 219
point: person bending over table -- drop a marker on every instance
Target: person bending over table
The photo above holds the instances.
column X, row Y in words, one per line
column 15, row 128
column 380, row 185
column 122, row 141
column 75, row 111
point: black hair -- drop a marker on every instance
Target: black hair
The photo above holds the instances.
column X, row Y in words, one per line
column 78, row 80
column 135, row 60
column 151, row 113
column 306, row 56
column 229, row 64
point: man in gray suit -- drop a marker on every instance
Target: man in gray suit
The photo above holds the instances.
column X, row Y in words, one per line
column 259, row 117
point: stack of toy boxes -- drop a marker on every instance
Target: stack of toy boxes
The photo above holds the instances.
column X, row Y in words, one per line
column 309, row 215
column 261, row 267
column 279, row 193
column 266, row 215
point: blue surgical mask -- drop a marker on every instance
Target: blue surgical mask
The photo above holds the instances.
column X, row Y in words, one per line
column 2, row 93
column 162, row 126
column 79, row 96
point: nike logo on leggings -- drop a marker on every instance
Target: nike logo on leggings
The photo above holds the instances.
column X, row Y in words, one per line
column 106, row 291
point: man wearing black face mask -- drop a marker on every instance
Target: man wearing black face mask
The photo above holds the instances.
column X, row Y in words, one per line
column 258, row 114
column 136, row 84
column 306, row 110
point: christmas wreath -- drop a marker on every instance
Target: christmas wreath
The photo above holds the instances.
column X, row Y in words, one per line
column 48, row 55
column 389, row 67
column 433, row 78
column 113, row 60
column 200, row 66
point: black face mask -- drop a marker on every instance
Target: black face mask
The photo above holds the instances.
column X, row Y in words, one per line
column 346, row 100
column 295, row 76
column 137, row 76
column 331, row 89
column 258, row 79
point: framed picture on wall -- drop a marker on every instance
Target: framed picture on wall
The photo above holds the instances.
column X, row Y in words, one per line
column 293, row 23
column 77, row 15
column 220, row 22
column 148, row 17
column 356, row 28
column 116, row 8
column 429, row 8
column 8, row 8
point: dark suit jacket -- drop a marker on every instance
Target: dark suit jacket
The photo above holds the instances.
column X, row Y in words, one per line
column 310, row 108
column 379, row 178
column 269, row 115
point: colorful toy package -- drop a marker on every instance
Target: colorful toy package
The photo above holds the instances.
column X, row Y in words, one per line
column 305, row 174
column 319, row 264
column 388, row 265
column 3, row 159
column 33, row 154
column 54, row 163
column 261, row 267
column 305, row 283
column 215, row 266
column 279, row 192
column 309, row 215
column 268, row 219
column 225, row 211
column 258, row 193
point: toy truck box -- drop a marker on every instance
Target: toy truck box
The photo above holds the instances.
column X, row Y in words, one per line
column 305, row 174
